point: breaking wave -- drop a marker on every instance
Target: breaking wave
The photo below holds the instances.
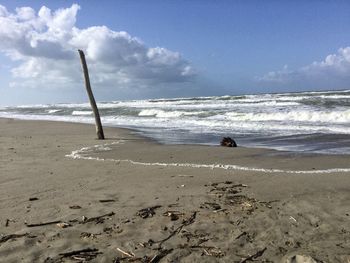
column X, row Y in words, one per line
column 254, row 120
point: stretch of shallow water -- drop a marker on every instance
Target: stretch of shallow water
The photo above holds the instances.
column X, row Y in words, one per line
column 315, row 122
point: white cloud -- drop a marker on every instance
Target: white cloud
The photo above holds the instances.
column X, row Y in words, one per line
column 25, row 13
column 333, row 70
column 45, row 46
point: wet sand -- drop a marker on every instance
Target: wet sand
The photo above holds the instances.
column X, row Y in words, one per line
column 205, row 204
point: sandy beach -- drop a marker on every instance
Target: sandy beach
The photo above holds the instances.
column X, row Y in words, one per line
column 67, row 197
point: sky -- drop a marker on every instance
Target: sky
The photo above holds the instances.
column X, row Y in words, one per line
column 158, row 49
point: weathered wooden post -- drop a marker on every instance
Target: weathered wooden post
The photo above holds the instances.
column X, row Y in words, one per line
column 99, row 129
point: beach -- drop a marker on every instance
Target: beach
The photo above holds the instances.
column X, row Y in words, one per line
column 67, row 197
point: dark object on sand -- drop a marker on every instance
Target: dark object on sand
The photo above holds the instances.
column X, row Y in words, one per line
column 255, row 256
column 12, row 236
column 96, row 219
column 75, row 207
column 44, row 223
column 82, row 255
column 106, row 200
column 228, row 142
column 147, row 212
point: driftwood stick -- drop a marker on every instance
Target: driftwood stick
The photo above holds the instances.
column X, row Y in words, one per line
column 254, row 256
column 44, row 223
column 12, row 236
column 130, row 255
column 97, row 217
column 242, row 234
column 220, row 210
column 77, row 252
column 106, row 200
column 196, row 246
column 99, row 129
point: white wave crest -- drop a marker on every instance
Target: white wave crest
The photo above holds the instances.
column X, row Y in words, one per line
column 78, row 112
column 297, row 116
column 167, row 114
column 53, row 111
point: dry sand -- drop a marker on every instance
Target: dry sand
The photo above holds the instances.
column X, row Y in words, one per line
column 197, row 214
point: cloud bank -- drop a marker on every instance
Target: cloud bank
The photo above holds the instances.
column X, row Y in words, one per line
column 332, row 72
column 44, row 45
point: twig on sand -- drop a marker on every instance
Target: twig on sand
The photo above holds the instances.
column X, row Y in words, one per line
column 106, row 200
column 232, row 185
column 242, row 234
column 76, row 252
column 83, row 255
column 12, row 236
column 128, row 254
column 75, row 207
column 254, row 256
column 97, row 219
column 220, row 210
column 185, row 175
column 162, row 253
column 44, row 223
column 174, row 205
column 185, row 222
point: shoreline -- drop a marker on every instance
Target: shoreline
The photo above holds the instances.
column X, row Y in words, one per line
column 285, row 122
column 227, row 214
column 138, row 134
column 106, row 152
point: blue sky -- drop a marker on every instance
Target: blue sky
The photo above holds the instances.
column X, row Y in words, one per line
column 171, row 48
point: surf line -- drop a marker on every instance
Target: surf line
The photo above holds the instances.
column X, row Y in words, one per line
column 81, row 154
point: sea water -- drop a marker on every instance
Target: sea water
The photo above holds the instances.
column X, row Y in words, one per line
column 311, row 122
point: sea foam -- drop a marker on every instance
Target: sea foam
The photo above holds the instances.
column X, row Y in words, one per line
column 251, row 119
column 83, row 154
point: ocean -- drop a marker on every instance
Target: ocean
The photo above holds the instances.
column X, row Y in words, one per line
column 309, row 122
